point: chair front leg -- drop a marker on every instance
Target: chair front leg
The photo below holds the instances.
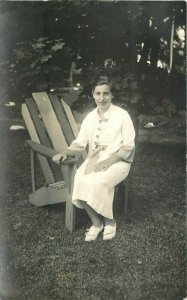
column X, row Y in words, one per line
column 126, row 186
column 70, row 208
column 33, row 170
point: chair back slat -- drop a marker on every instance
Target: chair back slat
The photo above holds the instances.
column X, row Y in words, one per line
column 66, row 128
column 50, row 120
column 73, row 124
column 38, row 122
column 41, row 135
column 70, row 118
column 48, row 175
column 68, row 125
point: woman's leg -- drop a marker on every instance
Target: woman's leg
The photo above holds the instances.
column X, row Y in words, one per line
column 97, row 226
column 110, row 222
column 92, row 214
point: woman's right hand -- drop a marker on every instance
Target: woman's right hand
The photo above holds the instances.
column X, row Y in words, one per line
column 62, row 156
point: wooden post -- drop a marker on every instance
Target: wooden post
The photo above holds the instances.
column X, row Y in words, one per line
column 70, row 208
column 171, row 44
column 126, row 186
column 33, row 171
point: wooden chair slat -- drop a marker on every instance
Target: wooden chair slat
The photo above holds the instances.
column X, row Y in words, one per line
column 70, row 118
column 50, row 120
column 38, row 123
column 67, row 130
column 73, row 124
column 34, row 136
column 41, row 134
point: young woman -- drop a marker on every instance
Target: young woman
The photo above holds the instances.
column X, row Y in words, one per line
column 109, row 133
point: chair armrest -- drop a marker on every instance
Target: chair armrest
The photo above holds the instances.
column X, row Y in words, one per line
column 48, row 152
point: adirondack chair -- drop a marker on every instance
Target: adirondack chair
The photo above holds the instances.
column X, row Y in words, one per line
column 52, row 128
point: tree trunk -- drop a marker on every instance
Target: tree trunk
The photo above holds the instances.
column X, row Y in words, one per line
column 155, row 47
column 145, row 53
column 171, row 45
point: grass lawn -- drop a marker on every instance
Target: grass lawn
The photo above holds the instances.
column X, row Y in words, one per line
column 146, row 260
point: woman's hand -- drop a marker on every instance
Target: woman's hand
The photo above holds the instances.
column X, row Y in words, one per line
column 62, row 156
column 103, row 165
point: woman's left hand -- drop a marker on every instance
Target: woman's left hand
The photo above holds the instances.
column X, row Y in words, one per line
column 103, row 165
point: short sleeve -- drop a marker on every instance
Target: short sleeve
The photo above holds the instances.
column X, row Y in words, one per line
column 128, row 132
column 127, row 149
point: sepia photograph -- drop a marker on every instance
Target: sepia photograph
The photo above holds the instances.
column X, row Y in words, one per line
column 92, row 150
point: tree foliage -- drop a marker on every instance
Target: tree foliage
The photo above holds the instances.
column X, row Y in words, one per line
column 41, row 40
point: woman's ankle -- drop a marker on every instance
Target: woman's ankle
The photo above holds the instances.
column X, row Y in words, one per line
column 110, row 222
column 97, row 223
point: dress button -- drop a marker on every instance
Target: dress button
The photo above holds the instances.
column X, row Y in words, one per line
column 99, row 128
column 100, row 121
column 97, row 136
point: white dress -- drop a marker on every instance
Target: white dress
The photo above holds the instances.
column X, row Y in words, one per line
column 113, row 135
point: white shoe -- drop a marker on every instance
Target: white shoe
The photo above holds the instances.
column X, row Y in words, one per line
column 109, row 232
column 93, row 233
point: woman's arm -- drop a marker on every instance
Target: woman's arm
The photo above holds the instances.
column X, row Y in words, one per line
column 76, row 147
column 127, row 150
column 105, row 164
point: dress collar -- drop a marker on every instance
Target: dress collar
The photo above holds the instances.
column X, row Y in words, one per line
column 107, row 113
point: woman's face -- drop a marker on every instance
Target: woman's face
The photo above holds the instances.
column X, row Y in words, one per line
column 102, row 96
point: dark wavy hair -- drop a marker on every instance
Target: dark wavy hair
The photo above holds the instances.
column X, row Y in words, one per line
column 101, row 80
